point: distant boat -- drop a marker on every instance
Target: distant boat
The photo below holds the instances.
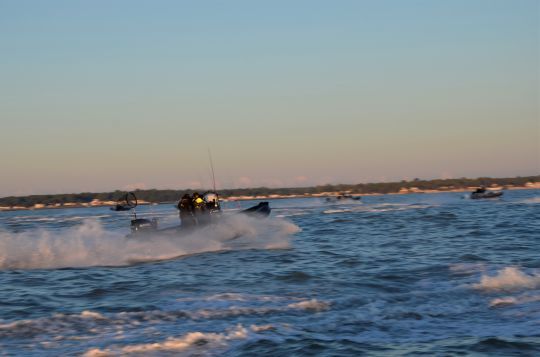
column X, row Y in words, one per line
column 342, row 198
column 485, row 194
column 126, row 203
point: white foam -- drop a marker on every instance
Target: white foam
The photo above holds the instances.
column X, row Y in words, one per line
column 514, row 300
column 270, row 307
column 92, row 315
column 262, row 328
column 310, row 305
column 383, row 207
column 59, row 219
column 237, row 297
column 292, row 213
column 88, row 244
column 509, row 278
column 90, row 322
column 38, row 219
column 332, row 211
column 209, row 340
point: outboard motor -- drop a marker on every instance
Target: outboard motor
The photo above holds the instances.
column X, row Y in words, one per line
column 143, row 225
column 128, row 202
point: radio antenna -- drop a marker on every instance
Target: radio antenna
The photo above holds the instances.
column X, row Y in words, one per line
column 212, row 168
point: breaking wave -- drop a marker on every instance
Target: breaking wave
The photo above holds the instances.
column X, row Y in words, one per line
column 86, row 320
column 89, row 244
column 116, row 330
column 183, row 344
column 509, row 278
column 310, row 305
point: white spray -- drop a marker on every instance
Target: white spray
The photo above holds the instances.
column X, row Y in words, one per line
column 89, row 244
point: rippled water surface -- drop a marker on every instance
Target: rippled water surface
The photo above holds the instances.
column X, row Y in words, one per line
column 434, row 274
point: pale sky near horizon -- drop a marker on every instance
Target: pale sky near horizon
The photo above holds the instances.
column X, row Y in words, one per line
column 104, row 95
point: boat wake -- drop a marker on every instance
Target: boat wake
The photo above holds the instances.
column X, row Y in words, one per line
column 89, row 244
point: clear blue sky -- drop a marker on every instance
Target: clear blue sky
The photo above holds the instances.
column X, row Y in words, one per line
column 100, row 95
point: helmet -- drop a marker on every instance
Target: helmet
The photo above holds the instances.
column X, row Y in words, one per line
column 210, row 196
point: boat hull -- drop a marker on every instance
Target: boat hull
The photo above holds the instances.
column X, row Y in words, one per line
column 485, row 195
column 145, row 227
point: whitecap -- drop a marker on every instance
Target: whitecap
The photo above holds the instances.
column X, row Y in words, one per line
column 332, row 211
column 310, row 305
column 509, row 278
column 195, row 340
column 89, row 323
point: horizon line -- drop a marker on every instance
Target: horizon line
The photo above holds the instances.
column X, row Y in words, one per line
column 536, row 176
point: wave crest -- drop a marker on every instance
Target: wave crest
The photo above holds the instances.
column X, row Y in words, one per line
column 190, row 340
column 509, row 278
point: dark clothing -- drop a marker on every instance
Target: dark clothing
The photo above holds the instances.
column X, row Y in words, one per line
column 213, row 206
column 186, row 211
column 196, row 210
column 201, row 214
column 185, row 204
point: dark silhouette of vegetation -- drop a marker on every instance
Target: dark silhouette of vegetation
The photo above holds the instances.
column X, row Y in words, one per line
column 161, row 196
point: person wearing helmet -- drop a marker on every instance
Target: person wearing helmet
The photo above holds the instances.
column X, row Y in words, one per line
column 212, row 202
column 197, row 200
column 199, row 209
column 186, row 211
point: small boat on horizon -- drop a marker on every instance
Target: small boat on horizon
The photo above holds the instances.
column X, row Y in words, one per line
column 342, row 198
column 482, row 193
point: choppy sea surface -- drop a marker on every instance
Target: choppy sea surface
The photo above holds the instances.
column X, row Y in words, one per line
column 434, row 274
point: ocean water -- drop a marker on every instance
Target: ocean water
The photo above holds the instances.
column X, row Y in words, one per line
column 433, row 274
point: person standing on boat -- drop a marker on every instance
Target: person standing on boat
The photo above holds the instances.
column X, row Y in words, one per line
column 199, row 210
column 186, row 211
column 212, row 201
column 482, row 189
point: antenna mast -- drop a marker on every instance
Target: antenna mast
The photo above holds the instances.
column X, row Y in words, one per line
column 212, row 168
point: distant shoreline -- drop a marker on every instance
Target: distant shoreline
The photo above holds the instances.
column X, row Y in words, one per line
column 232, row 198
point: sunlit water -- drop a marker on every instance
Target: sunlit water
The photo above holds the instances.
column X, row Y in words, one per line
column 396, row 274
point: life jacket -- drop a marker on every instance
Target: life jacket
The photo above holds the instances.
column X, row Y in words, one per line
column 198, row 202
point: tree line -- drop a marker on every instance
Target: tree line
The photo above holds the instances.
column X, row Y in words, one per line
column 162, row 196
